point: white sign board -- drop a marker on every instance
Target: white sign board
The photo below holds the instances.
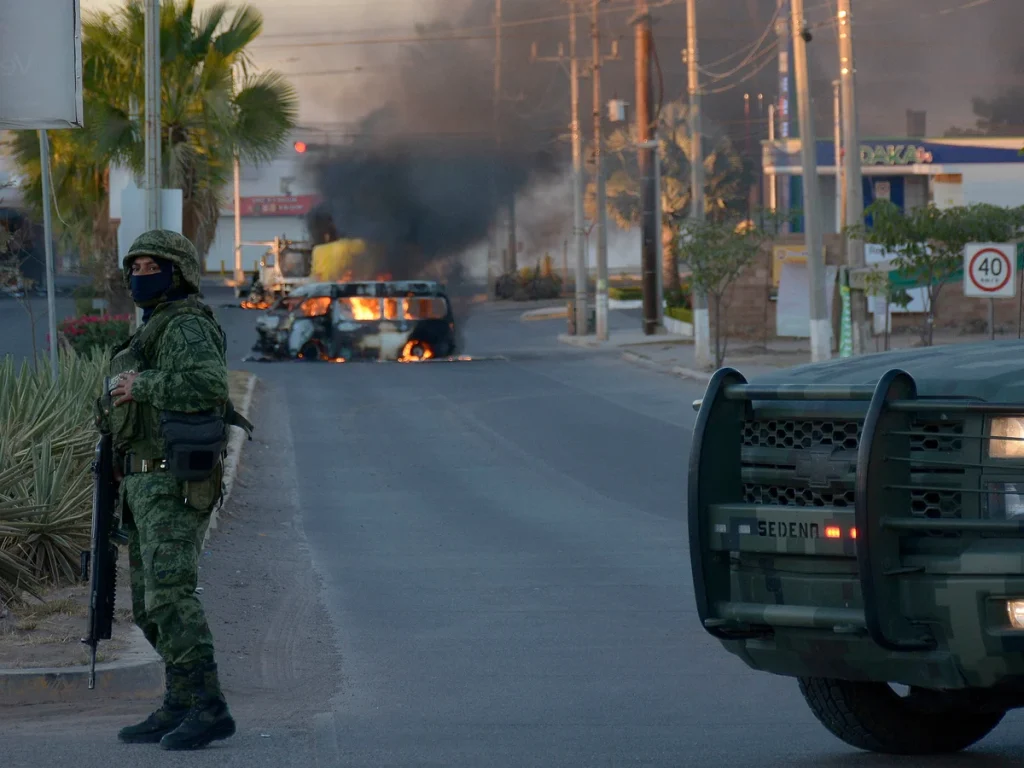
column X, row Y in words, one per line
column 40, row 64
column 133, row 215
column 793, row 304
column 989, row 270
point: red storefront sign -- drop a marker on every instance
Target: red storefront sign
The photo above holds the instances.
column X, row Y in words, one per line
column 280, row 205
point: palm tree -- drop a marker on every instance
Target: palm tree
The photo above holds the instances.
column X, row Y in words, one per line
column 726, row 181
column 212, row 105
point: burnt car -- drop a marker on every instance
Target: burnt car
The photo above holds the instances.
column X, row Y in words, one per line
column 403, row 320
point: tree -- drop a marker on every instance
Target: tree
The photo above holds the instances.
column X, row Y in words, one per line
column 717, row 251
column 727, row 180
column 928, row 242
column 212, row 106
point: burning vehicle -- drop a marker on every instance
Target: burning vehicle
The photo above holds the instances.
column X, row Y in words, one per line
column 402, row 321
column 285, row 265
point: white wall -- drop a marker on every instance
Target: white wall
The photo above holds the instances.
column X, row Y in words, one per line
column 998, row 184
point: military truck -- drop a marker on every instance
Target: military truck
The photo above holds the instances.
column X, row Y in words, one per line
column 858, row 525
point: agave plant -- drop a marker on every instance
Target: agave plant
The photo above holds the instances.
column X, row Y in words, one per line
column 46, row 443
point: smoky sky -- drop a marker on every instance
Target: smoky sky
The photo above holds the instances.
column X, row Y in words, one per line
column 931, row 55
column 414, row 160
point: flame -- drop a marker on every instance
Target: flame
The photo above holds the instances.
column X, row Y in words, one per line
column 407, row 355
column 247, row 304
column 337, row 360
column 365, row 307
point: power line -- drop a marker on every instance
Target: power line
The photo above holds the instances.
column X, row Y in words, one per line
column 482, row 32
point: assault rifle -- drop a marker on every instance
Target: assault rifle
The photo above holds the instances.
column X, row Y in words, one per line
column 103, row 557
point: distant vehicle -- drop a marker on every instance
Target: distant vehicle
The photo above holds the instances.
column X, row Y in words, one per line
column 373, row 320
column 286, row 265
column 859, row 525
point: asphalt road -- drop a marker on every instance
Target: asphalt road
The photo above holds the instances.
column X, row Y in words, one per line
column 468, row 564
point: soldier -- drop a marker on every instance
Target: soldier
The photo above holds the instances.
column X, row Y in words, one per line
column 168, row 395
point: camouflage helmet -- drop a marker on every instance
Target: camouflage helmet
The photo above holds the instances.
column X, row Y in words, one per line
column 165, row 244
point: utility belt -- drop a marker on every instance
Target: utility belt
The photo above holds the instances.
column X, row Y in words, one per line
column 194, row 447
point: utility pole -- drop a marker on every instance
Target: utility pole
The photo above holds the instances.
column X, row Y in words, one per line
column 153, row 182
column 852, row 174
column 772, row 187
column 511, row 259
column 644, row 124
column 601, row 213
column 701, row 316
column 577, row 178
column 493, row 248
column 782, row 29
column 837, row 141
column 821, row 326
column 579, row 233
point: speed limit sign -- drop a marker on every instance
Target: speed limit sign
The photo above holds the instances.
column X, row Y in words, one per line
column 989, row 270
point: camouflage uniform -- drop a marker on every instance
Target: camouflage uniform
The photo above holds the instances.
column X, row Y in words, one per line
column 179, row 354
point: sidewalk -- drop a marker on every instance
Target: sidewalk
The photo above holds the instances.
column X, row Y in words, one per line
column 675, row 354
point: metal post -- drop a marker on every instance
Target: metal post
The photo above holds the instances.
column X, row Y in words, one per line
column 239, row 274
column 772, row 187
column 601, row 299
column 782, row 29
column 152, row 66
column 660, row 301
column 51, row 301
column 852, row 173
column 837, row 136
column 821, row 326
column 772, row 196
column 701, row 316
column 577, row 178
column 153, row 182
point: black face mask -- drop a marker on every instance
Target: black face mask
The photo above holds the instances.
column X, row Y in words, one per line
column 147, row 289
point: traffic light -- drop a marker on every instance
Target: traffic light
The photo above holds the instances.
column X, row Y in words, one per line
column 300, row 146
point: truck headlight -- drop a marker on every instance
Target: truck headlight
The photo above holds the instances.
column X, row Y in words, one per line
column 1015, row 608
column 1005, row 501
column 1012, row 447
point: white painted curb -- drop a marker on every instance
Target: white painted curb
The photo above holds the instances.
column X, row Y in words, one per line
column 235, row 443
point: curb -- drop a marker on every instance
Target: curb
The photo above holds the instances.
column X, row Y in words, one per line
column 678, row 370
column 235, row 444
column 139, row 672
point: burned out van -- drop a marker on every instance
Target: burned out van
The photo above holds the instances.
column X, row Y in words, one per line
column 403, row 320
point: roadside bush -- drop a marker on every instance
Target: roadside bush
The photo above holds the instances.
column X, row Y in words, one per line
column 95, row 332
column 47, row 440
column 530, row 283
column 626, row 293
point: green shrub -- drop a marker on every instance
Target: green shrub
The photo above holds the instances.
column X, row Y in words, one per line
column 683, row 314
column 626, row 293
column 95, row 332
column 529, row 284
column 47, row 440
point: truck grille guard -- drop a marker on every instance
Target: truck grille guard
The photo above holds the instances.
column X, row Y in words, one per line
column 883, row 484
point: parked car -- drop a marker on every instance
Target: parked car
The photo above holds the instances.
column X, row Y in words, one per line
column 374, row 320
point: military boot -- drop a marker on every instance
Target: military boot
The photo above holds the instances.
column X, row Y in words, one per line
column 171, row 714
column 208, row 720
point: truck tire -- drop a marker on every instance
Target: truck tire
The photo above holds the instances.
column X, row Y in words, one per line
column 875, row 718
